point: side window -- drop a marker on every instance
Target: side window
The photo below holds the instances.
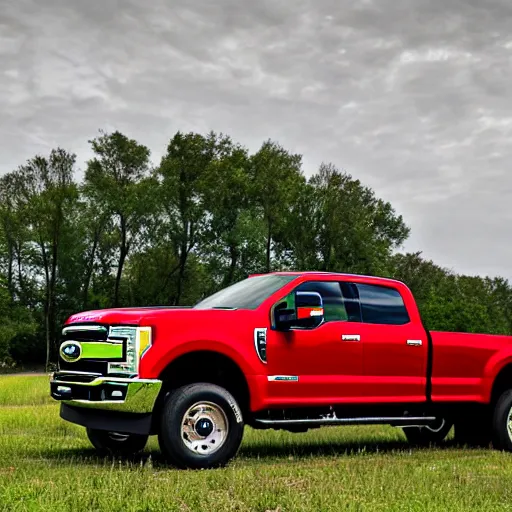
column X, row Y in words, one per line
column 382, row 305
column 334, row 307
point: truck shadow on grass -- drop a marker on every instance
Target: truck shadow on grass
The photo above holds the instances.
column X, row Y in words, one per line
column 305, row 450
column 311, row 449
column 261, row 452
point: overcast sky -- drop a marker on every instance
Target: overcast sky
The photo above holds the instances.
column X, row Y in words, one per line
column 413, row 97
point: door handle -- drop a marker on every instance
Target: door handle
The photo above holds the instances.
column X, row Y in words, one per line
column 350, row 337
column 416, row 343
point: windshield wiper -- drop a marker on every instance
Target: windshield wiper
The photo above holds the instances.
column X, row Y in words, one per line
column 224, row 307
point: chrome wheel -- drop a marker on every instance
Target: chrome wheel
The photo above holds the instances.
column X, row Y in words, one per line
column 509, row 424
column 204, row 428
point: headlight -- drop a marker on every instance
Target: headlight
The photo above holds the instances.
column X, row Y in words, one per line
column 138, row 340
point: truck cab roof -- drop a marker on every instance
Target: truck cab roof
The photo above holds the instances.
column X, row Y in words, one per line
column 334, row 275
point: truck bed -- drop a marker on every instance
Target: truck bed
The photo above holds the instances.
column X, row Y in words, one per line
column 463, row 365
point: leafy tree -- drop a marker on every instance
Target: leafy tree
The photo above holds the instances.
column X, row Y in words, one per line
column 422, row 276
column 450, row 302
column 15, row 322
column 49, row 191
column 236, row 239
column 277, row 177
column 118, row 181
column 339, row 225
column 14, row 236
column 185, row 174
column 210, row 214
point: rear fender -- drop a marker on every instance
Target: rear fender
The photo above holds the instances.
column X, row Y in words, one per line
column 493, row 367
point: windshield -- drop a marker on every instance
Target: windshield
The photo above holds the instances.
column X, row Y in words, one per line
column 246, row 294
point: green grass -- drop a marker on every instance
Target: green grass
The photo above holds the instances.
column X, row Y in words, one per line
column 24, row 390
column 47, row 464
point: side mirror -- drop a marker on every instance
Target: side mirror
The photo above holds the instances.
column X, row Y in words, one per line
column 307, row 313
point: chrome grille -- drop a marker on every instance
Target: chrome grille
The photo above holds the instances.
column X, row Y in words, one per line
column 103, row 350
column 85, row 332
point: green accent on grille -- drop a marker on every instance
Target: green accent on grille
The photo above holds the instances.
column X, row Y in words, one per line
column 101, row 350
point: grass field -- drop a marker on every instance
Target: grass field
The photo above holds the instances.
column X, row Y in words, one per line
column 47, row 464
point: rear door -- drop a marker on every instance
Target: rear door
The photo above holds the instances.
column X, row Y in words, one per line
column 395, row 347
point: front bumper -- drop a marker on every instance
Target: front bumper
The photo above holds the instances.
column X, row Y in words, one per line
column 120, row 394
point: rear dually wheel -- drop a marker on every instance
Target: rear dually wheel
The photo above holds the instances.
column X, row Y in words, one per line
column 502, row 422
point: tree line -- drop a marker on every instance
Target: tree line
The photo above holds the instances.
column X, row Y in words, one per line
column 209, row 214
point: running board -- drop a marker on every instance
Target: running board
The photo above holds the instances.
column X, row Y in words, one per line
column 409, row 421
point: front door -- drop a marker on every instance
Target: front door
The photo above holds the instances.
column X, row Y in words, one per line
column 318, row 366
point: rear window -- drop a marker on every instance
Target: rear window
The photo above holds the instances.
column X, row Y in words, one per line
column 382, row 305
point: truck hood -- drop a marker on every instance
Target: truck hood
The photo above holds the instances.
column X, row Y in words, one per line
column 144, row 315
column 125, row 315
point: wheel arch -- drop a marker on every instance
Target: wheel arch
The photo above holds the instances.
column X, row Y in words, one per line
column 501, row 382
column 205, row 366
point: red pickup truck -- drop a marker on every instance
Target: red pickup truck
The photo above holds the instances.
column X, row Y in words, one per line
column 287, row 350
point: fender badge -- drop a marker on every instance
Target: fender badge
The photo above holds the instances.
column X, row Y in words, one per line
column 260, row 343
column 283, row 378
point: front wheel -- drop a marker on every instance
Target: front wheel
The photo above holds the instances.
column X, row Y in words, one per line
column 115, row 443
column 428, row 434
column 201, row 426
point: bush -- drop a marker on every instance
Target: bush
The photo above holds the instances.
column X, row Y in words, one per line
column 27, row 348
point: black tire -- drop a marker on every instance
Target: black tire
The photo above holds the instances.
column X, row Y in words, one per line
column 427, row 435
column 501, row 435
column 115, row 443
column 219, row 416
column 474, row 431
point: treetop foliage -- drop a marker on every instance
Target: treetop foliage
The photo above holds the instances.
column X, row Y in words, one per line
column 207, row 215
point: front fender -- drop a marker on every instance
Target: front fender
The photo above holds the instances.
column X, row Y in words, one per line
column 158, row 357
column 161, row 355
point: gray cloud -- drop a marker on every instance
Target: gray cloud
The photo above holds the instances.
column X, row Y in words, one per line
column 410, row 96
